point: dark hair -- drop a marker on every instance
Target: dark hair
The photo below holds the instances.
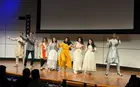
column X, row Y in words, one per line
column 35, row 74
column 68, row 42
column 2, row 71
column 45, row 39
column 22, row 34
column 26, row 72
column 55, row 40
column 93, row 45
column 82, row 42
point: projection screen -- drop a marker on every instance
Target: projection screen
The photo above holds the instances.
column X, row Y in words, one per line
column 86, row 14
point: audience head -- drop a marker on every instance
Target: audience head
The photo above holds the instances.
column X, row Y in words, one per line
column 133, row 78
column 35, row 74
column 2, row 71
column 26, row 72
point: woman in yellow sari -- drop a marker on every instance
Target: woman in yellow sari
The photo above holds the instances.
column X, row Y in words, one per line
column 65, row 57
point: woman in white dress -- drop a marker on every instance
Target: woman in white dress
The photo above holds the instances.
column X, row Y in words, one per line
column 53, row 55
column 89, row 63
column 78, row 55
column 19, row 50
column 113, row 56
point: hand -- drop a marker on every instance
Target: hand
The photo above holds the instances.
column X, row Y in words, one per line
column 118, row 37
column 93, row 50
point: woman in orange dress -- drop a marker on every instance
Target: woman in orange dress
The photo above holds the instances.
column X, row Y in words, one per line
column 65, row 57
column 43, row 55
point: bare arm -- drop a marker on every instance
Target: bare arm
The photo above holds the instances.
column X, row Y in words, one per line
column 119, row 41
column 94, row 49
column 13, row 39
column 109, row 42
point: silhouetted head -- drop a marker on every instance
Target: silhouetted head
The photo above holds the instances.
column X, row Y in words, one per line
column 133, row 78
column 2, row 71
column 35, row 74
column 26, row 72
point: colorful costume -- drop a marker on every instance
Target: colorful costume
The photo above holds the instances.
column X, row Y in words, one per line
column 43, row 54
column 65, row 57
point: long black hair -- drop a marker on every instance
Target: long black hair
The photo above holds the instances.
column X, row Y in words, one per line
column 45, row 39
column 82, row 42
column 92, row 44
column 68, row 42
column 55, row 40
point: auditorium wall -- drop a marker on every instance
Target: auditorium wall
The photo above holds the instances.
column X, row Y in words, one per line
column 129, row 50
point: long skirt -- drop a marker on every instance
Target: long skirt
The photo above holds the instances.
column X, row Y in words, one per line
column 52, row 59
column 77, row 60
column 89, row 63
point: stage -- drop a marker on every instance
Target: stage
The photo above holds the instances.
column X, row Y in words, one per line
column 99, row 78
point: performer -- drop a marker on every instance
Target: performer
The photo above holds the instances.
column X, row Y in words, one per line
column 65, row 57
column 19, row 51
column 89, row 63
column 113, row 56
column 30, row 40
column 53, row 55
column 78, row 55
column 43, row 53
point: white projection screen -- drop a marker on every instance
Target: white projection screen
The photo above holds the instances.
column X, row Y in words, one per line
column 86, row 14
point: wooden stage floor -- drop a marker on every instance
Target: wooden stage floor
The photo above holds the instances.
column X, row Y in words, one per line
column 96, row 78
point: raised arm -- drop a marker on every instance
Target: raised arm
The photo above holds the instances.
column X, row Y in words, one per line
column 13, row 39
column 119, row 41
